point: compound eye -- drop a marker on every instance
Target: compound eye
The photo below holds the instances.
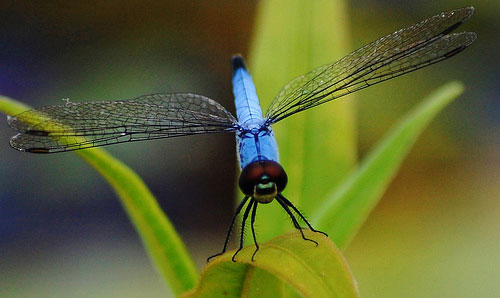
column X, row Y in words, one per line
column 260, row 172
column 249, row 177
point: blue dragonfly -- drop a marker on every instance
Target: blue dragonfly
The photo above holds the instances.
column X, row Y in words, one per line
column 73, row 126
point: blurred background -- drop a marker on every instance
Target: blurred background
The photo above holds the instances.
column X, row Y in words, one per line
column 63, row 232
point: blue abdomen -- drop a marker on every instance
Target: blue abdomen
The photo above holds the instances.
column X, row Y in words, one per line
column 256, row 139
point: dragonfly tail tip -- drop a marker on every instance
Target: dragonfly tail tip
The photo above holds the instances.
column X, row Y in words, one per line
column 238, row 62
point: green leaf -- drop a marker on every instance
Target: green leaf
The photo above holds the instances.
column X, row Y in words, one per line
column 313, row 271
column 292, row 38
column 158, row 235
column 347, row 208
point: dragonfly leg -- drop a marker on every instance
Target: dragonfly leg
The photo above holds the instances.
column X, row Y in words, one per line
column 294, row 220
column 300, row 214
column 226, row 242
column 243, row 221
column 254, row 212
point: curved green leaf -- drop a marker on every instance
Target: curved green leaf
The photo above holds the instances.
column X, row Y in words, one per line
column 348, row 207
column 158, row 235
column 313, row 271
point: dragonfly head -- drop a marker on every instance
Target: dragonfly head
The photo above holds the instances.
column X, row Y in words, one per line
column 263, row 180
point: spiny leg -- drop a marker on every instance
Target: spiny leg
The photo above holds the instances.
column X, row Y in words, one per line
column 300, row 214
column 226, row 242
column 245, row 216
column 254, row 211
column 294, row 220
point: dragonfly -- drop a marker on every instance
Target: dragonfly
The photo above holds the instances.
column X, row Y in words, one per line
column 73, row 126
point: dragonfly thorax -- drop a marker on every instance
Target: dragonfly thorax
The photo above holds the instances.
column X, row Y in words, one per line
column 254, row 126
column 263, row 180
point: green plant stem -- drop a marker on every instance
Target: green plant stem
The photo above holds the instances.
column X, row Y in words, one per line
column 316, row 147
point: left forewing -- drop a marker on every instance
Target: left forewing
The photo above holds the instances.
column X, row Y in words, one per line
column 73, row 126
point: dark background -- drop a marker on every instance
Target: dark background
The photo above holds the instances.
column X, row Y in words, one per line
column 63, row 232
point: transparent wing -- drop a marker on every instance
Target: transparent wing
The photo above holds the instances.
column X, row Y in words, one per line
column 73, row 126
column 398, row 53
